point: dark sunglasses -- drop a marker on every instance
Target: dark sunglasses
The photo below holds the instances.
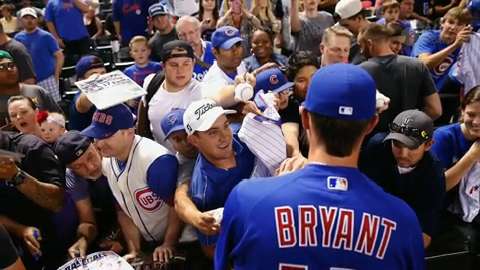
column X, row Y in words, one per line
column 7, row 66
column 409, row 131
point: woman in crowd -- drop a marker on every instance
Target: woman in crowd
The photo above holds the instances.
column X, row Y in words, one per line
column 262, row 51
column 208, row 16
column 262, row 9
column 92, row 22
column 23, row 115
column 9, row 22
column 238, row 17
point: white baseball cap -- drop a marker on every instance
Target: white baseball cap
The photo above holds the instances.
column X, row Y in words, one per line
column 348, row 8
column 201, row 114
column 28, row 11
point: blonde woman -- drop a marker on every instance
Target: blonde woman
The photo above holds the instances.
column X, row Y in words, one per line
column 238, row 16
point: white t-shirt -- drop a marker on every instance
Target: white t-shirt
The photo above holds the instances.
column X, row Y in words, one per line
column 185, row 7
column 215, row 79
column 163, row 102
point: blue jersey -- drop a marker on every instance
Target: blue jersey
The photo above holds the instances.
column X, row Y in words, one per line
column 67, row 18
column 199, row 70
column 42, row 46
column 430, row 42
column 320, row 217
column 138, row 74
column 132, row 15
column 210, row 185
column 450, row 144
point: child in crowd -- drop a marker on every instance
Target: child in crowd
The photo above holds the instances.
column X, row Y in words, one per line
column 52, row 125
column 390, row 12
column 140, row 52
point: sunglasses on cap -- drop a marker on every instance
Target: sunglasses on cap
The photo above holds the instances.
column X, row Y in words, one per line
column 7, row 66
column 409, row 131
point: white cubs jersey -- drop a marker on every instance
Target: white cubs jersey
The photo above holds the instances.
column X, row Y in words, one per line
column 137, row 200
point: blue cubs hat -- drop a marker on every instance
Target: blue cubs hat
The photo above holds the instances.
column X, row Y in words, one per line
column 342, row 91
column 158, row 9
column 172, row 121
column 108, row 121
column 86, row 63
column 225, row 37
column 273, row 80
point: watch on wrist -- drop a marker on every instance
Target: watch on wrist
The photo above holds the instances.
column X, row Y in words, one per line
column 18, row 179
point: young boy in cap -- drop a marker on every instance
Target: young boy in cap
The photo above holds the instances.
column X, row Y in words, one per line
column 402, row 164
column 142, row 176
column 81, row 109
column 291, row 219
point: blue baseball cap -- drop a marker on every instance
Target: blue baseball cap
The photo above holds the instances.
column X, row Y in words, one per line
column 172, row 121
column 107, row 122
column 225, row 37
column 273, row 80
column 86, row 63
column 342, row 91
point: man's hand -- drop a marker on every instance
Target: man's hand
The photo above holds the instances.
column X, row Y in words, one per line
column 131, row 256
column 250, row 107
column 206, row 224
column 291, row 164
column 31, row 236
column 163, row 253
column 79, row 249
column 8, row 168
column 107, row 244
column 463, row 35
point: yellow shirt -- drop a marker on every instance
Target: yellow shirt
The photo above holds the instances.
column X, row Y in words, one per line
column 9, row 26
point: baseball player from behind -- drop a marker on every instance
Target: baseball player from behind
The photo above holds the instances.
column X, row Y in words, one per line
column 327, row 215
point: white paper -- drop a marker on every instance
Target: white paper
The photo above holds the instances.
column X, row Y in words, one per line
column 110, row 89
column 103, row 260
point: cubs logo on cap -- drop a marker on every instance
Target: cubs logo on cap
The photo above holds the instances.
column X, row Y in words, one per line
column 225, row 37
column 274, row 79
column 107, row 122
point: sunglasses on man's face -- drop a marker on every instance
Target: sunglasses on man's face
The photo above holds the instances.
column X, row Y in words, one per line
column 7, row 66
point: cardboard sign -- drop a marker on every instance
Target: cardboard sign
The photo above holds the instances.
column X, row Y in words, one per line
column 110, row 89
column 103, row 260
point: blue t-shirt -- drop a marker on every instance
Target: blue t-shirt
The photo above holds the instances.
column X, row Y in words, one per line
column 42, row 46
column 199, row 70
column 429, row 42
column 210, row 185
column 320, row 217
column 450, row 144
column 67, row 18
column 79, row 121
column 132, row 15
column 251, row 62
column 138, row 74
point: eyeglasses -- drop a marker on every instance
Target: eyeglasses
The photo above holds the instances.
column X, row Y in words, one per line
column 7, row 66
column 409, row 131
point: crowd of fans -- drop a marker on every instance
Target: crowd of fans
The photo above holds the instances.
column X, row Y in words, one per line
column 141, row 178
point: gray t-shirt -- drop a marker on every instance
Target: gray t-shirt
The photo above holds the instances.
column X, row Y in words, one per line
column 310, row 35
column 405, row 80
column 39, row 96
column 21, row 57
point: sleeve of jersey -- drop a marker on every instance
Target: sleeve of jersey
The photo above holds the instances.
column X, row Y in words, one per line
column 442, row 148
column 162, row 177
column 424, row 44
column 49, row 12
column 230, row 232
